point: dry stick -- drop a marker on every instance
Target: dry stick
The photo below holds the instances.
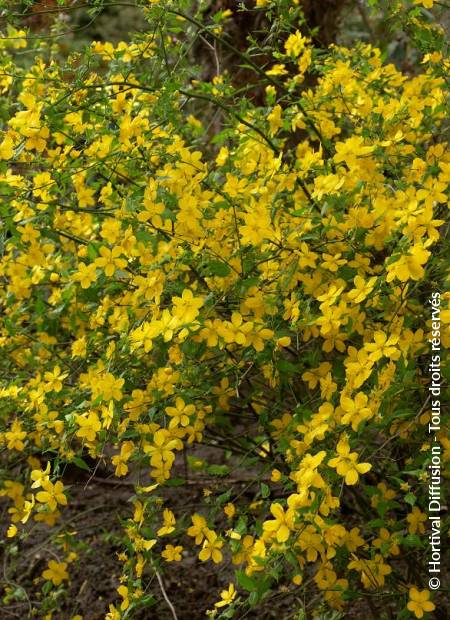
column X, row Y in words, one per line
column 214, row 51
column 164, row 593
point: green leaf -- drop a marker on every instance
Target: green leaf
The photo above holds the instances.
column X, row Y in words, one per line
column 218, row 268
column 241, row 525
column 218, row 470
column 264, row 586
column 92, row 252
column 265, row 491
column 246, row 582
column 175, row 482
column 224, row 497
column 286, row 367
column 410, row 499
column 47, row 587
column 79, row 462
column 97, row 401
column 39, row 306
column 411, row 540
column 147, row 601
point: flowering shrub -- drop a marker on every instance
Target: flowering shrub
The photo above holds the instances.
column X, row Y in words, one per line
column 248, row 312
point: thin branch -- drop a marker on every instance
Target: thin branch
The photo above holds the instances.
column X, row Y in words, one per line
column 164, row 593
column 231, row 112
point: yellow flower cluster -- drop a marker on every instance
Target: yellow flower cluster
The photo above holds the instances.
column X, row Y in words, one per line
column 269, row 302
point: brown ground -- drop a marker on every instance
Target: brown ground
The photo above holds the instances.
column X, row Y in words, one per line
column 97, row 505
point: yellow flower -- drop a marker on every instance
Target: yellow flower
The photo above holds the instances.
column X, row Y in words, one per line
column 409, row 266
column 7, row 148
column 85, row 275
column 275, row 475
column 109, row 260
column 180, row 413
column 161, row 451
column 419, row 602
column 362, row 289
column 275, row 119
column 350, row 150
column 120, row 460
column 169, row 523
column 428, row 4
column 113, row 613
column 14, row 437
column 198, row 528
column 386, row 543
column 56, row 572
column 89, row 425
column 277, row 69
column 295, row 44
column 186, row 307
column 79, row 347
column 355, row 410
column 346, row 463
column 223, row 392
column 230, row 510
column 383, row 346
column 38, row 476
column 222, row 156
column 171, row 553
column 227, row 596
column 211, row 548
column 416, row 520
column 123, row 591
column 52, row 495
column 373, row 572
column 282, row 524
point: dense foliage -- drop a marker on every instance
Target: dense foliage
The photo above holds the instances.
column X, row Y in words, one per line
column 226, row 284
